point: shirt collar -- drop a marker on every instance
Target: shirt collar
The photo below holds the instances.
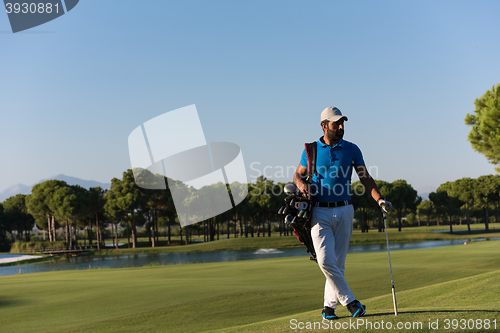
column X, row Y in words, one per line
column 338, row 144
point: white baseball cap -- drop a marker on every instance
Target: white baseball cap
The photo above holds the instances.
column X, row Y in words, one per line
column 332, row 114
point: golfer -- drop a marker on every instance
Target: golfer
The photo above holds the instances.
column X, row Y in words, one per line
column 332, row 214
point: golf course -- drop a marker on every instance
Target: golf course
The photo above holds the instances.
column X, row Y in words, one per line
column 454, row 288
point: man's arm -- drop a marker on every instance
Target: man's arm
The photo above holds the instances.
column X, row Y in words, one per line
column 299, row 178
column 368, row 182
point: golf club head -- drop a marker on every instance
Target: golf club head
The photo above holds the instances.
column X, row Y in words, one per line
column 301, row 205
column 288, row 219
column 290, row 189
column 286, row 210
column 281, row 210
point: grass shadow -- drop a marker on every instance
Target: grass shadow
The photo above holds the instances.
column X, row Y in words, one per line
column 449, row 311
column 11, row 302
column 427, row 311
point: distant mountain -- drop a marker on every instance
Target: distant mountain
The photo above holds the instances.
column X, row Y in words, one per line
column 77, row 181
column 424, row 196
column 425, row 191
column 23, row 189
column 13, row 190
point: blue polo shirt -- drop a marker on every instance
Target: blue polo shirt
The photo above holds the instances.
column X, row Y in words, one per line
column 332, row 181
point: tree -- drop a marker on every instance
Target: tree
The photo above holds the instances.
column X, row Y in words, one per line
column 367, row 206
column 155, row 200
column 238, row 213
column 168, row 207
column 445, row 203
column 411, row 219
column 96, row 202
column 152, row 206
column 438, row 200
column 82, row 213
column 65, row 205
column 403, row 196
column 4, row 243
column 245, row 210
column 486, row 191
column 112, row 213
column 463, row 189
column 385, row 189
column 17, row 215
column 266, row 198
column 125, row 199
column 426, row 208
column 363, row 203
column 206, row 203
column 38, row 205
column 485, row 133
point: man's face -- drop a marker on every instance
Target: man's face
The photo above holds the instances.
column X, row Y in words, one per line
column 335, row 130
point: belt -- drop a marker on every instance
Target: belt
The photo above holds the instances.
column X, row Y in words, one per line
column 333, row 204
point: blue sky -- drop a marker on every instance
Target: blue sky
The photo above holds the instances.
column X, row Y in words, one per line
column 260, row 73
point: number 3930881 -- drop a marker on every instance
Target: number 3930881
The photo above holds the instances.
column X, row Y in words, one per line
column 25, row 8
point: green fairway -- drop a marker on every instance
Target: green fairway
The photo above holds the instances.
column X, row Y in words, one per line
column 458, row 305
column 456, row 282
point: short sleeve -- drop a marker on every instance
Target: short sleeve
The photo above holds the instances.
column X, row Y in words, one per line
column 303, row 159
column 357, row 156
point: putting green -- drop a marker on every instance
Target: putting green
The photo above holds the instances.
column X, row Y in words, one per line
column 456, row 282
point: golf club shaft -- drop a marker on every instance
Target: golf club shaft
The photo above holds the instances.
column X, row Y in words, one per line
column 390, row 267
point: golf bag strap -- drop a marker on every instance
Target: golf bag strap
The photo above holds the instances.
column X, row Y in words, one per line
column 311, row 151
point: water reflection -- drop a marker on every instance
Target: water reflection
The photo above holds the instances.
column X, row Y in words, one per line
column 143, row 259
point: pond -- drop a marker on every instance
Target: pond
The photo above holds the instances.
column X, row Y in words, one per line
column 139, row 260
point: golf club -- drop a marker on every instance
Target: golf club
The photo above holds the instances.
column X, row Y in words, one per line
column 390, row 266
column 290, row 189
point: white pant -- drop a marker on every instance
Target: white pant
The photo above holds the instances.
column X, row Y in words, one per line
column 331, row 230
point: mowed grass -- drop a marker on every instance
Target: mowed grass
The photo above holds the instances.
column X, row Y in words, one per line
column 456, row 282
column 462, row 305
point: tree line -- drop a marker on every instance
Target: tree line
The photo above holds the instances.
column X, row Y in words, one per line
column 54, row 204
column 452, row 203
column 464, row 198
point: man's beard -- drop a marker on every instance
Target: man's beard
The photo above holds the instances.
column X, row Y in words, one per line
column 334, row 136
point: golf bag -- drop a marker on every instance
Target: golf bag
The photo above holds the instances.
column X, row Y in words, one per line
column 298, row 209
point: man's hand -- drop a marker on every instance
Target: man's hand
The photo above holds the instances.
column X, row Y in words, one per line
column 303, row 188
column 298, row 177
column 385, row 205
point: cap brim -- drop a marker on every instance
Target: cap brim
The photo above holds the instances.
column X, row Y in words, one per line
column 337, row 118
